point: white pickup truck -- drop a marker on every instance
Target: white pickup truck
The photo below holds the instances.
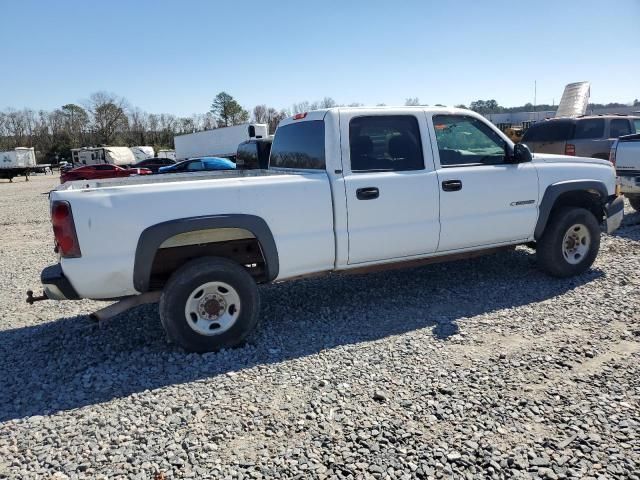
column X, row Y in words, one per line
column 348, row 189
column 625, row 155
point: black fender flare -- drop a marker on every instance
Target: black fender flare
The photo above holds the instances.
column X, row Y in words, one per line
column 553, row 192
column 152, row 237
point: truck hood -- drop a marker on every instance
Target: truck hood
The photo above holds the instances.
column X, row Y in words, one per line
column 552, row 158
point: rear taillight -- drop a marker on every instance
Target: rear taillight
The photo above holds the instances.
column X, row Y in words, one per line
column 64, row 230
column 570, row 149
column 612, row 153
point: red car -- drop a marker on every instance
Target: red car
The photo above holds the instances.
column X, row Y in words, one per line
column 104, row 170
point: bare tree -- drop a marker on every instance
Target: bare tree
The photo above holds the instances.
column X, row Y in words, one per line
column 109, row 115
column 411, row 102
column 301, row 107
column 76, row 122
column 327, row 102
column 260, row 114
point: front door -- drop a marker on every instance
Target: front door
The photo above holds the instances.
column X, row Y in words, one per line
column 391, row 186
column 484, row 200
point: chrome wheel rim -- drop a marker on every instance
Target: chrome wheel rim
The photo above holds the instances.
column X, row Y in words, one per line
column 212, row 308
column 576, row 243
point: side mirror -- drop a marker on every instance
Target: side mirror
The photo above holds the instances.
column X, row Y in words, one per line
column 521, row 153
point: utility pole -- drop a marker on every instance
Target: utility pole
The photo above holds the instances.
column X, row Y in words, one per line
column 535, row 97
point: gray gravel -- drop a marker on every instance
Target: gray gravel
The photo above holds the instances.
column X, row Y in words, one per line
column 476, row 369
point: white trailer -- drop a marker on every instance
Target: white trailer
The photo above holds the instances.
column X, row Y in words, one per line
column 142, row 152
column 170, row 154
column 16, row 162
column 221, row 142
column 97, row 155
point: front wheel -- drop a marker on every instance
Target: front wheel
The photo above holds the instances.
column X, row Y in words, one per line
column 208, row 304
column 570, row 243
column 635, row 202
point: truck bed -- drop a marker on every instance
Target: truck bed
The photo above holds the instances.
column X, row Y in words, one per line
column 165, row 178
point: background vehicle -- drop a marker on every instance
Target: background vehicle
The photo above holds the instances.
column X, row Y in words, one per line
column 142, row 152
column 221, row 142
column 590, row 136
column 95, row 155
column 199, row 165
column 254, row 153
column 348, row 189
column 16, row 162
column 91, row 172
column 625, row 155
column 154, row 164
column 170, row 154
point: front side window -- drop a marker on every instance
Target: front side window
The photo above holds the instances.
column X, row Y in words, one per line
column 589, row 128
column 467, row 141
column 619, row 127
column 636, row 124
column 299, row 145
column 389, row 143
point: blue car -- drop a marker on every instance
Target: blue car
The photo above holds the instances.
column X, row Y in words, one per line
column 199, row 165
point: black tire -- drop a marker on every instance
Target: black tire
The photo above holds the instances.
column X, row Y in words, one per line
column 184, row 282
column 635, row 202
column 550, row 246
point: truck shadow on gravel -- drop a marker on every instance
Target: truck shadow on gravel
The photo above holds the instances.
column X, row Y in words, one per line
column 71, row 363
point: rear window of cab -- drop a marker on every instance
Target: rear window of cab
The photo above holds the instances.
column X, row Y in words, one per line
column 299, row 145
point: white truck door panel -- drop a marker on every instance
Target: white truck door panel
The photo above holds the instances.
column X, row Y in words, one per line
column 496, row 204
column 391, row 214
column 483, row 199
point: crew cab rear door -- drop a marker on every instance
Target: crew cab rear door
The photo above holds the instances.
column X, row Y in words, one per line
column 484, row 200
column 390, row 184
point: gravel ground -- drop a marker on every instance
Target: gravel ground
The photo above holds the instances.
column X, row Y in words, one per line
column 476, row 369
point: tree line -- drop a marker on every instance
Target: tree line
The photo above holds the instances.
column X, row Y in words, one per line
column 108, row 119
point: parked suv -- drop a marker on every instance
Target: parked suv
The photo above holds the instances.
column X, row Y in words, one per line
column 590, row 136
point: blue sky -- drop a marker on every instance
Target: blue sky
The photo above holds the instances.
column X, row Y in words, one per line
column 174, row 56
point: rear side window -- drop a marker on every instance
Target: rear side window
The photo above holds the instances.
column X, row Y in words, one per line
column 636, row 124
column 619, row 127
column 558, row 131
column 299, row 145
column 195, row 166
column 385, row 144
column 590, row 128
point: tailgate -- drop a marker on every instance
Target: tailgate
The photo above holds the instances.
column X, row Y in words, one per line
column 628, row 155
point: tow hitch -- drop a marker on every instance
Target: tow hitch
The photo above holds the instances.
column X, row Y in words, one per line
column 31, row 299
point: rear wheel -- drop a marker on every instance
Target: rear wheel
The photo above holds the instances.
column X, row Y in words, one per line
column 570, row 243
column 208, row 304
column 635, row 202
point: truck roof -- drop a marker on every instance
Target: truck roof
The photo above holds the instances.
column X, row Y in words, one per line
column 321, row 113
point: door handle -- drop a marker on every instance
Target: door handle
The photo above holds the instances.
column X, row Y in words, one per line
column 452, row 185
column 367, row 193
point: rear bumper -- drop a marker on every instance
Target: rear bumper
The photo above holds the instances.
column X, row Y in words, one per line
column 614, row 209
column 56, row 286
